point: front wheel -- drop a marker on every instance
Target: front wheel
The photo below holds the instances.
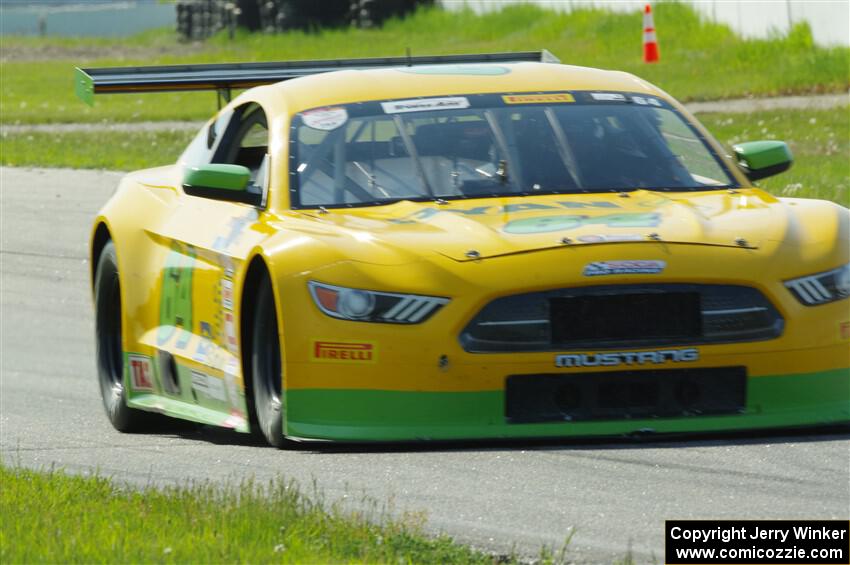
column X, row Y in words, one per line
column 266, row 367
column 110, row 348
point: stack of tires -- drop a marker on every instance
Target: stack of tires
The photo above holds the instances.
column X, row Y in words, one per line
column 199, row 19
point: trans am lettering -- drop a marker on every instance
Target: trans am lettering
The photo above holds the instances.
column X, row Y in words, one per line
column 545, row 224
column 508, row 209
column 627, row 358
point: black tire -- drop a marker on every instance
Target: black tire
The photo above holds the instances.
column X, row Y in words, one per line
column 267, row 377
column 110, row 348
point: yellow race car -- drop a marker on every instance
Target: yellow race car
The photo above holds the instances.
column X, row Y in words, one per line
column 483, row 246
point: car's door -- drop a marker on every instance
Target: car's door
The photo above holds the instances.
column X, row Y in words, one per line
column 204, row 241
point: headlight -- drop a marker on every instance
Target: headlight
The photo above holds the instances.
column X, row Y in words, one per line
column 371, row 306
column 822, row 288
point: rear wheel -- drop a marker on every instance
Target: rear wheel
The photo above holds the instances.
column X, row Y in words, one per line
column 266, row 367
column 110, row 348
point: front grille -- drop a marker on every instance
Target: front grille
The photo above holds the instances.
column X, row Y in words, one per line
column 622, row 395
column 615, row 316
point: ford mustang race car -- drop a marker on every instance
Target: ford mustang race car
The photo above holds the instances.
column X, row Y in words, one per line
column 462, row 247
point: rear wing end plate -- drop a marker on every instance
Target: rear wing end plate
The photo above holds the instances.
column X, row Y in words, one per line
column 224, row 77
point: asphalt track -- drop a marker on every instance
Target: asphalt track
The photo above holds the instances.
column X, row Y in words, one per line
column 615, row 496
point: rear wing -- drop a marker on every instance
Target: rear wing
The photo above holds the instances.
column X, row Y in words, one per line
column 223, row 78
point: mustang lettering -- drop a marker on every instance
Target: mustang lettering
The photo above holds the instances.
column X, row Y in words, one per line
column 627, row 358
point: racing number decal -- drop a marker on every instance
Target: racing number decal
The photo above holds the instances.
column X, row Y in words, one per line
column 175, row 303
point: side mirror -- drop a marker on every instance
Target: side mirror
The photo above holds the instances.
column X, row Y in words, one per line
column 220, row 182
column 760, row 159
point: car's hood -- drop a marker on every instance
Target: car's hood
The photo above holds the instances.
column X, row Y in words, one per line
column 489, row 227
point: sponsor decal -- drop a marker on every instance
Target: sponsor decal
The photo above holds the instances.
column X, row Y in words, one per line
column 208, row 386
column 557, row 98
column 608, row 96
column 230, row 332
column 644, row 101
column 231, row 367
column 231, row 371
column 141, row 372
column 325, row 119
column 844, row 330
column 344, row 352
column 228, row 266
column 227, row 294
column 425, row 104
column 544, row 224
column 235, row 420
column 236, row 227
column 427, row 213
column 205, row 344
column 609, row 238
column 628, row 358
column 635, row 267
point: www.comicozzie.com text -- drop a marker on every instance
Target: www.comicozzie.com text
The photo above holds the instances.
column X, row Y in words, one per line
column 726, row 534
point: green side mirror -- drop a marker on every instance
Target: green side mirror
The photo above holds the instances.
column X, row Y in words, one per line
column 217, row 175
column 760, row 159
column 220, row 182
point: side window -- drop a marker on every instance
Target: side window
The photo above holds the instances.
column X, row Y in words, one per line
column 200, row 150
column 246, row 143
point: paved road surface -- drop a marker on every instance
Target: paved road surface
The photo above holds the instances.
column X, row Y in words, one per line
column 614, row 495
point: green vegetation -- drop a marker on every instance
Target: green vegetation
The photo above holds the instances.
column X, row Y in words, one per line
column 96, row 149
column 58, row 518
column 819, row 140
column 699, row 59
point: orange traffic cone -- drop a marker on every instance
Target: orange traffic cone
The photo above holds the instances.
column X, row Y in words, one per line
column 650, row 41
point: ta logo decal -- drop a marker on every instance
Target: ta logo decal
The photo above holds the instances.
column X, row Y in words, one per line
column 544, row 224
column 141, row 372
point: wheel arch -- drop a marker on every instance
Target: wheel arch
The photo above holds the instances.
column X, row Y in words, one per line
column 100, row 237
column 258, row 269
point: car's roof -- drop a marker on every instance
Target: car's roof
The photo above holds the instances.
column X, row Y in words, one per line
column 342, row 87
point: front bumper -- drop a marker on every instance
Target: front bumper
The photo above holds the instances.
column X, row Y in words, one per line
column 358, row 414
column 386, row 382
column 371, row 415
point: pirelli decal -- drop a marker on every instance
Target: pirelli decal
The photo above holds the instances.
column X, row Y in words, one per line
column 555, row 98
column 340, row 351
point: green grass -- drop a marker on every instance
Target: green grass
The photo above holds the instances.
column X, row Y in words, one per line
column 819, row 139
column 57, row 518
column 105, row 149
column 699, row 59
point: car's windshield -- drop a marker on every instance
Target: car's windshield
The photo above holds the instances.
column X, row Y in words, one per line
column 495, row 145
